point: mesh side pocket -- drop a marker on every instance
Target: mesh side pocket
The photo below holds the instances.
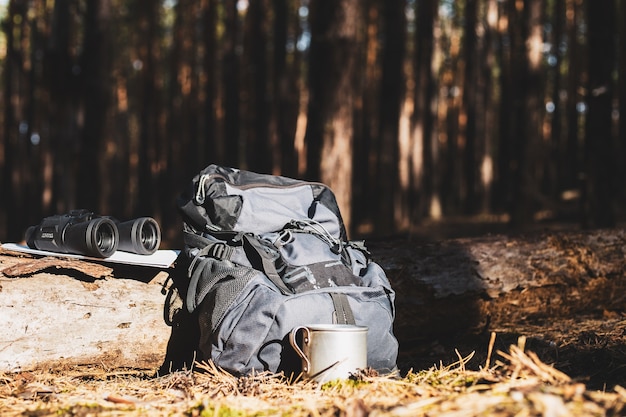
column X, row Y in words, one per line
column 217, row 283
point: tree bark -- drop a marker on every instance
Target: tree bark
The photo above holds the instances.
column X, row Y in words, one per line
column 259, row 149
column 621, row 94
column 446, row 289
column 463, row 286
column 8, row 139
column 571, row 163
column 145, row 184
column 599, row 145
column 525, row 118
column 332, row 69
column 557, row 144
column 366, row 121
column 95, row 62
column 65, row 315
column 231, row 95
column 208, row 145
column 391, row 96
column 285, row 73
column 422, row 182
column 472, row 97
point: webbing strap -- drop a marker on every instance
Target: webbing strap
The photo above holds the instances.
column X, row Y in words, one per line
column 343, row 311
column 255, row 251
column 217, row 250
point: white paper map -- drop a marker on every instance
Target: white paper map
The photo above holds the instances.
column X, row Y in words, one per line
column 159, row 259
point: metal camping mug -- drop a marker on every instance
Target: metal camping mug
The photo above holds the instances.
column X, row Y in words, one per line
column 331, row 351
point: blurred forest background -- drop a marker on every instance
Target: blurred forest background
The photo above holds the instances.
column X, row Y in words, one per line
column 413, row 111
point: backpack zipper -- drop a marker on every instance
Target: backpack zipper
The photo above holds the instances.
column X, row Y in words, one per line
column 200, row 196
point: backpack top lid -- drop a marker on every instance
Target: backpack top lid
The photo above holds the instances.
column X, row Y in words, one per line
column 222, row 199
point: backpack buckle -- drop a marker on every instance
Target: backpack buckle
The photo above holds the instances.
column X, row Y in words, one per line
column 220, row 250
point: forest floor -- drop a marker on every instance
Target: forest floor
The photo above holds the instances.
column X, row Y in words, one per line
column 563, row 366
column 590, row 347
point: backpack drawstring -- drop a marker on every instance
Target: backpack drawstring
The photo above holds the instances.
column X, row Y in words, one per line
column 200, row 192
column 321, row 231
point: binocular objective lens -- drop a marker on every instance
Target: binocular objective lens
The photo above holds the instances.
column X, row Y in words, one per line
column 150, row 236
column 105, row 238
column 141, row 236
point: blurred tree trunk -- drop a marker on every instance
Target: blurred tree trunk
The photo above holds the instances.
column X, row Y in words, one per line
column 599, row 147
column 231, row 96
column 367, row 122
column 168, row 156
column 33, row 44
column 531, row 145
column 571, row 158
column 622, row 94
column 557, row 145
column 259, row 150
column 521, row 96
column 182, row 158
column 488, row 124
column 207, row 145
column 286, row 72
column 451, row 121
column 64, row 83
column 476, row 95
column 95, row 69
column 329, row 132
column 472, row 106
column 12, row 180
column 422, row 167
column 502, row 183
column 148, row 154
column 391, row 97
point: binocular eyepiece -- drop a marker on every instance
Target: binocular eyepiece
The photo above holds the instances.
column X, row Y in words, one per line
column 81, row 232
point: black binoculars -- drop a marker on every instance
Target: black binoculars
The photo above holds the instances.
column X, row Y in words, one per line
column 83, row 233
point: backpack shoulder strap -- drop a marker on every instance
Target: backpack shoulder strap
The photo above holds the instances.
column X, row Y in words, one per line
column 257, row 254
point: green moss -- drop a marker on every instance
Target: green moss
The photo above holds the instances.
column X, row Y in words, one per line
column 338, row 384
column 88, row 410
column 438, row 378
column 205, row 410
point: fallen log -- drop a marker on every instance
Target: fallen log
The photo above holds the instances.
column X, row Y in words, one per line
column 80, row 315
column 457, row 286
column 60, row 312
column 40, row 264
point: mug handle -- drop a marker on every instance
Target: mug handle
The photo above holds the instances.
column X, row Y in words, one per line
column 305, row 338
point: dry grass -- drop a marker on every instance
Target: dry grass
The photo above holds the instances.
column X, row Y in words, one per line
column 516, row 384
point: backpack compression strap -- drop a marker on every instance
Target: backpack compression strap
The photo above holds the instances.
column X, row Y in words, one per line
column 254, row 249
column 218, row 250
column 343, row 311
column 255, row 252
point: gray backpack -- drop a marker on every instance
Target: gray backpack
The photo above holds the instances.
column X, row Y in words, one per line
column 267, row 254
